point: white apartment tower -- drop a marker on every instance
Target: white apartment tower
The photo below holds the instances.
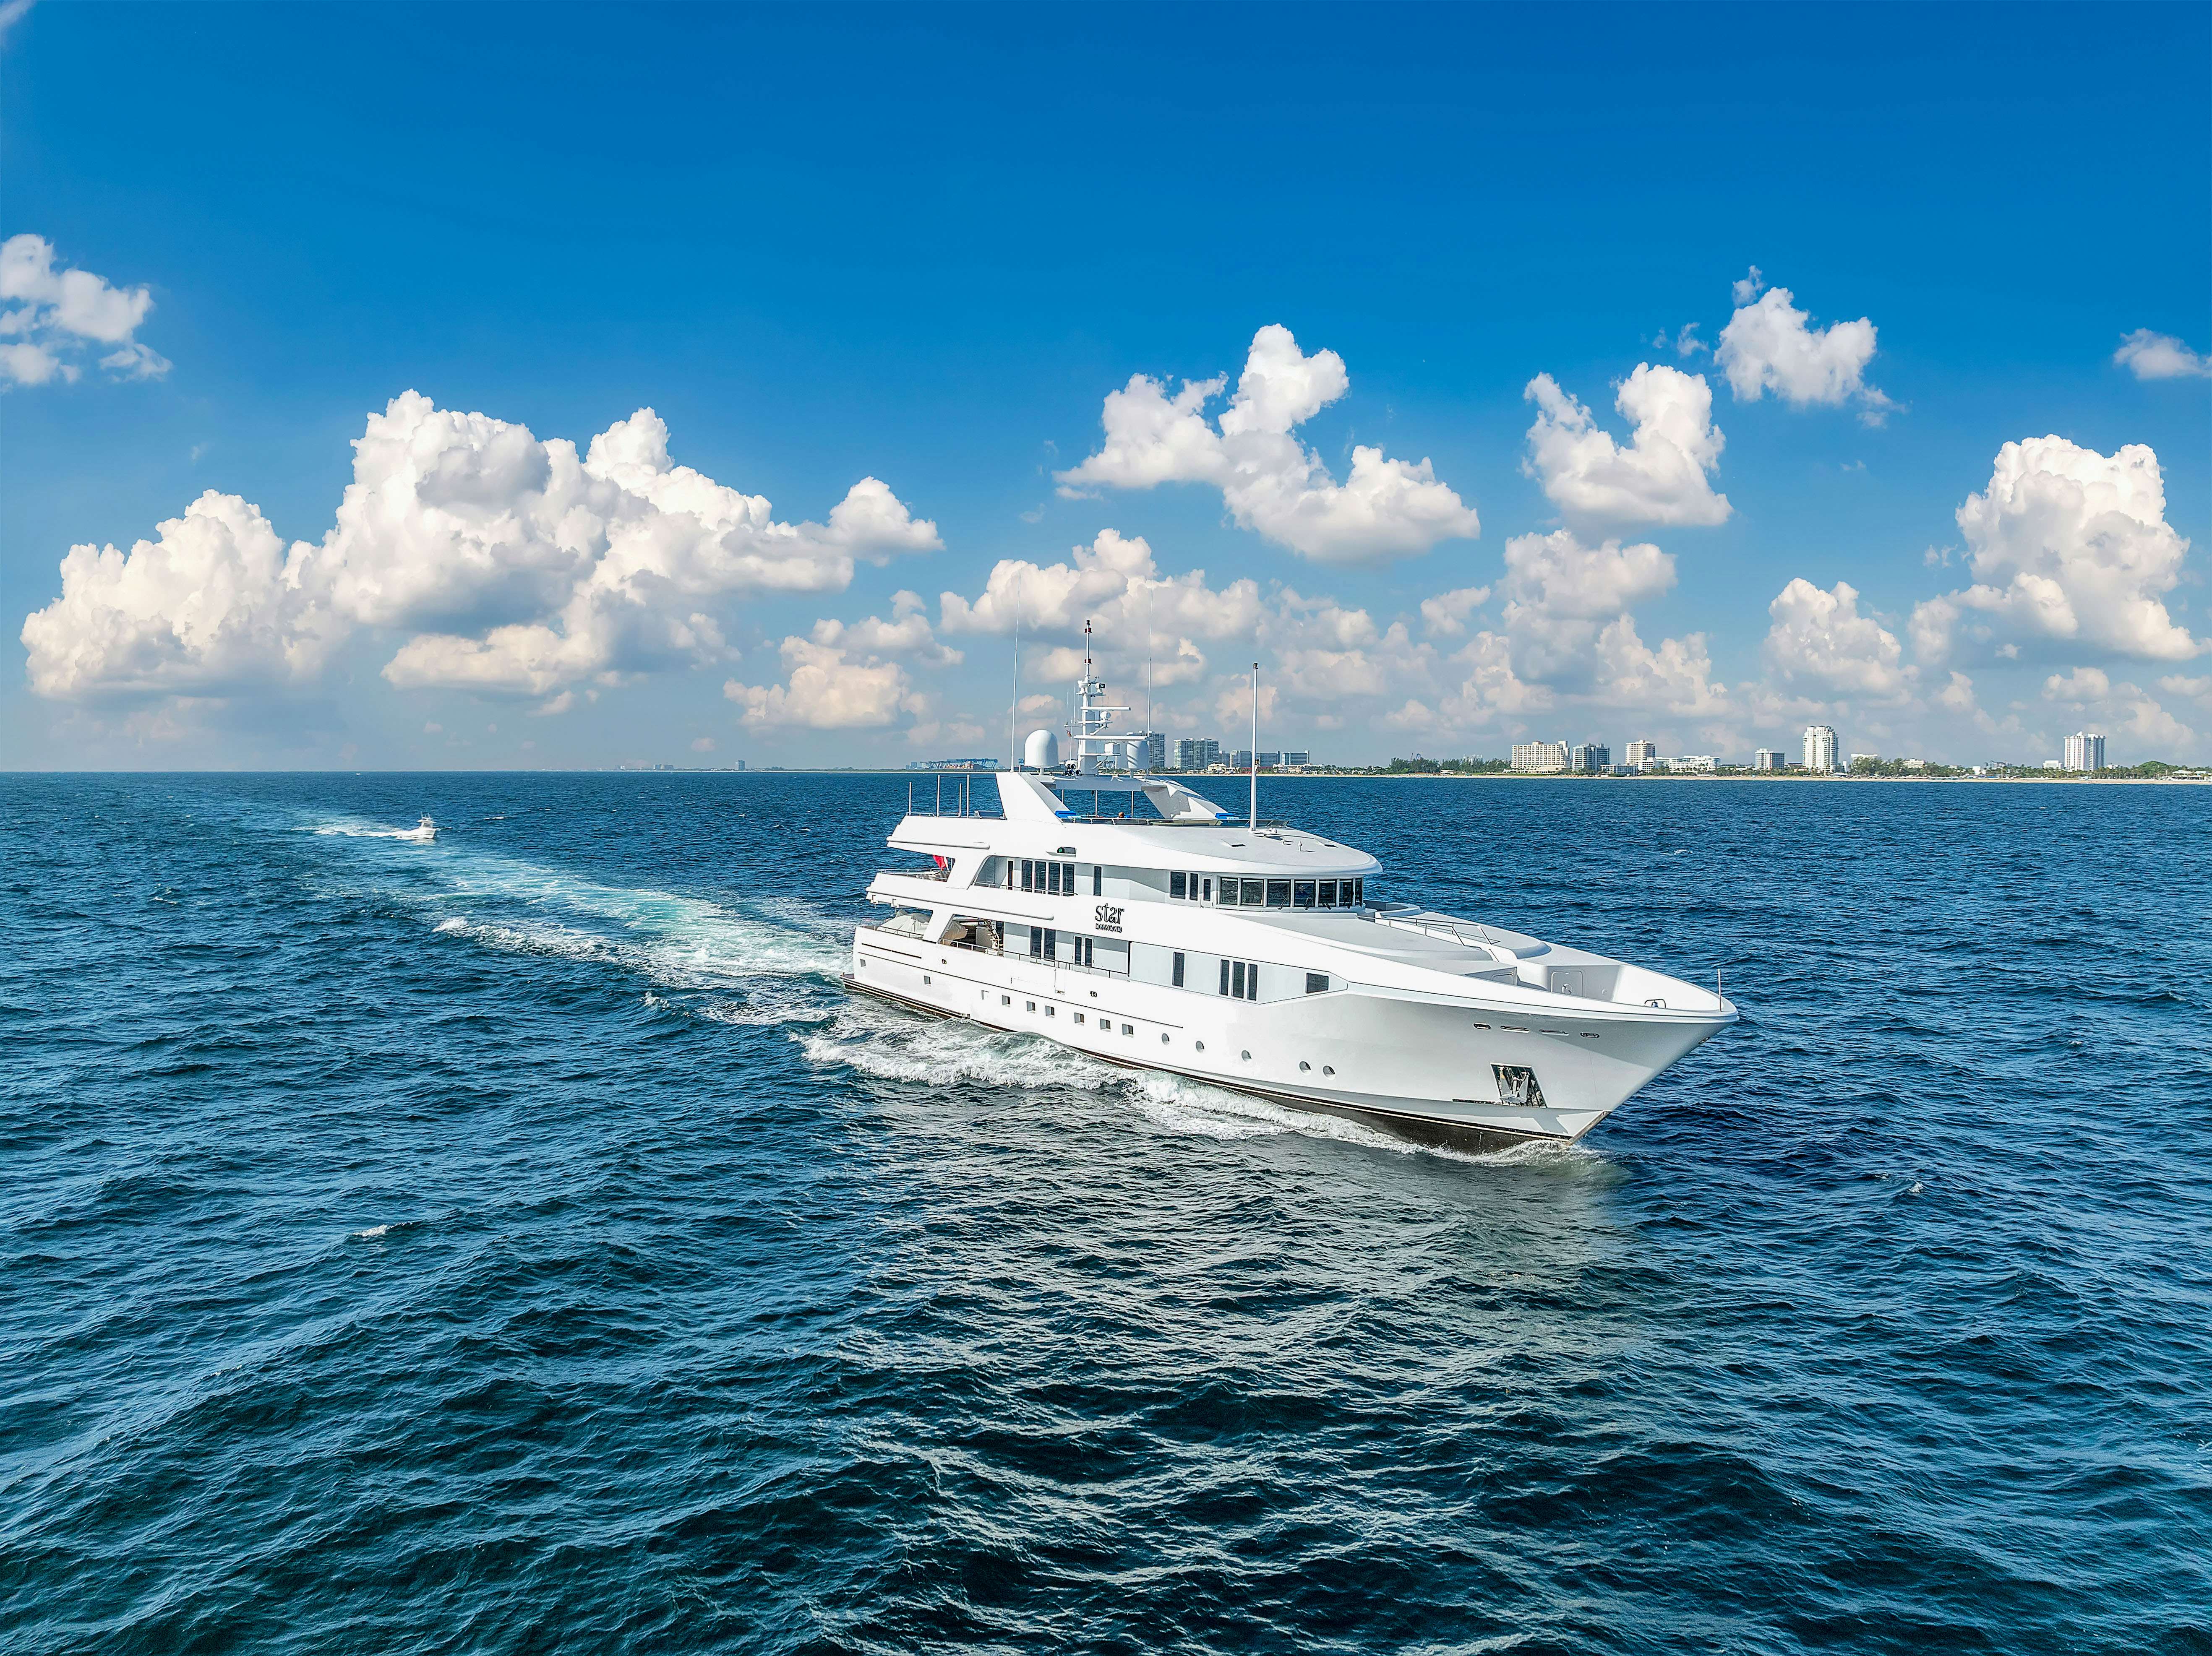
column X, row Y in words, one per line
column 1821, row 747
column 1642, row 752
column 2085, row 752
column 1539, row 756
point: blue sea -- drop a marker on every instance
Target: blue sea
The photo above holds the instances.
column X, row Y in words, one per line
column 520, row 1243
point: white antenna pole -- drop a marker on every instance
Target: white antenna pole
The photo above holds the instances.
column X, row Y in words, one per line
column 1253, row 818
column 1014, row 712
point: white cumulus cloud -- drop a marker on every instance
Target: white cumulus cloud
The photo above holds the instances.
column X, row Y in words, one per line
column 1658, row 476
column 1820, row 637
column 507, row 564
column 2150, row 356
column 1768, row 346
column 2068, row 544
column 51, row 318
column 213, row 605
column 828, row 687
column 1270, row 482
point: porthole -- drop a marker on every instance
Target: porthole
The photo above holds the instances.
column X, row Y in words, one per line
column 1248, row 1056
column 1198, row 1046
column 1029, row 1006
column 1164, row 1041
column 1327, row 1070
column 1079, row 1017
column 1302, row 1064
column 926, row 978
column 1128, row 1029
column 1052, row 1011
column 1006, row 1000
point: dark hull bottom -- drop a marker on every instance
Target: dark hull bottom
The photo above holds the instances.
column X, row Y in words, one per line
column 1415, row 1129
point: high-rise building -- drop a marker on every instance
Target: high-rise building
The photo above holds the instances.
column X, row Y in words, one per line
column 2085, row 752
column 1821, row 748
column 1195, row 753
column 1590, row 758
column 1768, row 759
column 1539, row 756
column 1240, row 760
column 1295, row 757
column 1642, row 753
column 1271, row 761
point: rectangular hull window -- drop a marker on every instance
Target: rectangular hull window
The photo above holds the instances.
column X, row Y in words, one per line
column 1518, row 1088
column 1178, row 969
column 1175, row 885
column 1224, row 977
column 1251, row 980
column 1237, row 980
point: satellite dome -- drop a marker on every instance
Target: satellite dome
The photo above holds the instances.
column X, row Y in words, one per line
column 1040, row 752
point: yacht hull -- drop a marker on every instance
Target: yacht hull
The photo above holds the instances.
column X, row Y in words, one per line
column 1449, row 1070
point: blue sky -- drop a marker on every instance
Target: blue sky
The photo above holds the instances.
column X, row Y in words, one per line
column 924, row 246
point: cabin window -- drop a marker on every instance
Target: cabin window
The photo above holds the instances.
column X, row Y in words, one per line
column 1327, row 899
column 1086, row 951
column 1178, row 885
column 1028, row 871
column 1351, row 894
column 1316, row 983
column 1252, row 981
column 1036, row 941
column 1097, row 880
column 1079, row 1017
column 1055, row 881
column 1207, row 896
column 1178, row 968
column 1302, row 894
column 1253, row 894
column 1050, row 1012
column 1228, row 894
column 1279, row 894
column 1128, row 1029
column 1224, row 977
column 1237, row 980
column 1051, row 944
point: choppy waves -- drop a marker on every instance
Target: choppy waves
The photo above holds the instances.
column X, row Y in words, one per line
column 520, row 1241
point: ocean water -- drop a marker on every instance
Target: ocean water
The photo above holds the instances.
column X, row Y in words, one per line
column 520, row 1243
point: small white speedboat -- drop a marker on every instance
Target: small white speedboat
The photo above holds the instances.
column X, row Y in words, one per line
column 423, row 833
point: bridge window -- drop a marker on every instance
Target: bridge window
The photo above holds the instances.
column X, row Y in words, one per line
column 1255, row 894
column 1316, row 983
column 1178, row 885
column 1098, row 881
column 1328, row 897
column 1206, row 895
column 1302, row 894
column 1279, row 894
column 1036, row 941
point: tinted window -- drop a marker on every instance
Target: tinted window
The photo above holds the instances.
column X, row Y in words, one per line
column 1329, row 893
column 1176, row 882
column 1036, row 941
column 1237, row 978
column 1178, row 963
column 1279, row 894
column 1251, row 981
column 1255, row 893
column 1228, row 894
column 1301, row 894
column 1316, row 983
column 1206, row 895
column 1098, row 881
column 1224, row 977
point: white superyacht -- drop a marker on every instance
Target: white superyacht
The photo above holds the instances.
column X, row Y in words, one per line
column 1152, row 928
